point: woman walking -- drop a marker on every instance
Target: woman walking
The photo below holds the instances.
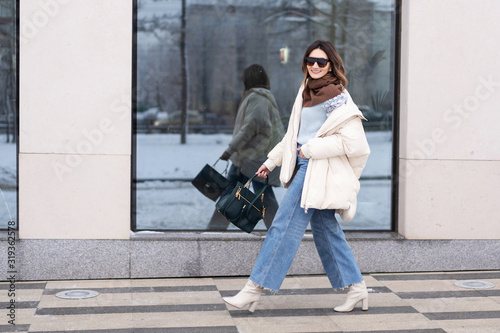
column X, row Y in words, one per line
column 321, row 156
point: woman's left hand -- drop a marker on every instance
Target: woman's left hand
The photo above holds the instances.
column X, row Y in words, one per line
column 300, row 153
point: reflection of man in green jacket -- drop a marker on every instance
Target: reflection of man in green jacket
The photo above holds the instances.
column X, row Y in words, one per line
column 257, row 130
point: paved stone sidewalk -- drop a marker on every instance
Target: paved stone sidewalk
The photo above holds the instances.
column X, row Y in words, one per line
column 420, row 303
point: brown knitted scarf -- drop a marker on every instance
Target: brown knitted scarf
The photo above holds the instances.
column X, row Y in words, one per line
column 320, row 90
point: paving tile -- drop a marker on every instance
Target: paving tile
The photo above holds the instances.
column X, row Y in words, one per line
column 495, row 299
column 440, row 294
column 183, row 319
column 384, row 300
column 130, row 309
column 87, row 284
column 384, row 322
column 18, row 305
column 119, row 299
column 286, row 324
column 22, row 316
column 470, row 326
column 479, row 275
column 298, row 282
column 230, row 283
column 463, row 315
column 422, row 285
column 123, row 321
column 23, row 285
column 187, row 329
column 454, row 304
column 308, row 312
column 150, row 289
column 51, row 301
column 404, row 276
column 26, row 295
column 172, row 282
column 489, row 292
column 423, row 330
column 199, row 297
column 372, row 282
column 14, row 328
column 68, row 323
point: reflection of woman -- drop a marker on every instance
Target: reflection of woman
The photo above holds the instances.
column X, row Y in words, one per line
column 257, row 130
column 322, row 156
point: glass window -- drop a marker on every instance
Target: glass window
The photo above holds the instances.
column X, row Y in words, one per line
column 190, row 59
column 8, row 114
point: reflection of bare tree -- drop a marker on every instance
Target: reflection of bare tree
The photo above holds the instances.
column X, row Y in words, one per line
column 223, row 37
column 359, row 30
column 184, row 75
column 8, row 105
column 157, row 84
column 156, row 58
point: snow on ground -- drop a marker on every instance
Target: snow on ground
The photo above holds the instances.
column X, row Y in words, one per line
column 178, row 205
column 8, row 200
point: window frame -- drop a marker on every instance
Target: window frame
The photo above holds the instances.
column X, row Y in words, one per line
column 395, row 131
column 16, row 105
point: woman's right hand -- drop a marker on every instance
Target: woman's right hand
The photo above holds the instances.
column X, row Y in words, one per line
column 225, row 156
column 263, row 171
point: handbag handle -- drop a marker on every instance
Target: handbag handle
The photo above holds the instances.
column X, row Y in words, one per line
column 225, row 170
column 258, row 195
column 250, row 180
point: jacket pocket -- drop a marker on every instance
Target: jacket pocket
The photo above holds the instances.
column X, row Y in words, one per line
column 343, row 184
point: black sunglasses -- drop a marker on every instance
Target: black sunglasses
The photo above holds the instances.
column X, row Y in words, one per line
column 322, row 62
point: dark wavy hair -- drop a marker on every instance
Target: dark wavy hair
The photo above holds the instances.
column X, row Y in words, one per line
column 336, row 62
column 255, row 76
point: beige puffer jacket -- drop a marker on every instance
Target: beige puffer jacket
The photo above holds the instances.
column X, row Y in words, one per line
column 338, row 154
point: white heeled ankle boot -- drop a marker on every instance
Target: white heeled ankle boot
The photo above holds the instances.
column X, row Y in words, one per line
column 248, row 295
column 357, row 293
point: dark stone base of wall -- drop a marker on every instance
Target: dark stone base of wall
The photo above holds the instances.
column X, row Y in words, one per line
column 157, row 255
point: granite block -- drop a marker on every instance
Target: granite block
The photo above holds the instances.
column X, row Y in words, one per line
column 170, row 254
column 73, row 259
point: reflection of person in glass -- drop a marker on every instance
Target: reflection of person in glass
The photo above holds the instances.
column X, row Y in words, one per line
column 321, row 156
column 257, row 130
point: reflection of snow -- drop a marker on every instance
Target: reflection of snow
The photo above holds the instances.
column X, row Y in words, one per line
column 8, row 200
column 178, row 205
column 7, row 165
column 7, row 207
column 162, row 155
column 162, row 205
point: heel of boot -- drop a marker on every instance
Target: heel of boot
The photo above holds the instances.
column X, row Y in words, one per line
column 252, row 306
column 365, row 304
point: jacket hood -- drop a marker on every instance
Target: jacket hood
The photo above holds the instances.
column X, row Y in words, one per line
column 266, row 93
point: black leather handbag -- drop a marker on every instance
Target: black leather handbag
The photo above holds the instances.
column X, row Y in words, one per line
column 242, row 207
column 210, row 182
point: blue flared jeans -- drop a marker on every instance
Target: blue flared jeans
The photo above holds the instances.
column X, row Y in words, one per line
column 286, row 232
